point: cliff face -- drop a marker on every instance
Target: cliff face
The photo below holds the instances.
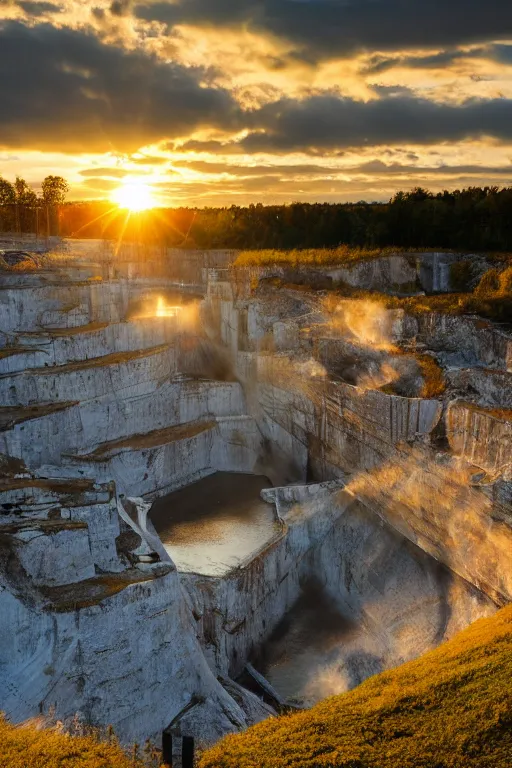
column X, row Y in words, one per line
column 95, row 408
column 361, row 569
column 393, row 501
column 82, row 630
column 420, row 464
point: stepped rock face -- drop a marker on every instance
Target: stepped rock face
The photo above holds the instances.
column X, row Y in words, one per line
column 117, row 391
column 366, row 436
column 90, row 396
column 400, row 273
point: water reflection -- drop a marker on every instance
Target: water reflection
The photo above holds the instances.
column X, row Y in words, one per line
column 317, row 650
column 211, row 526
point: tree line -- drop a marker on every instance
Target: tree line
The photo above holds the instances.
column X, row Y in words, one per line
column 475, row 218
column 22, row 210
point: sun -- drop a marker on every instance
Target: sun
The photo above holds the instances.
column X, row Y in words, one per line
column 134, row 195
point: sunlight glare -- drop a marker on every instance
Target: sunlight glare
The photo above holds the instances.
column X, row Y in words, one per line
column 133, row 195
column 165, row 310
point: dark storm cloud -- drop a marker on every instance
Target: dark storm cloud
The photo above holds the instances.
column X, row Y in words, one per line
column 502, row 53
column 223, row 12
column 329, row 122
column 63, row 88
column 327, row 28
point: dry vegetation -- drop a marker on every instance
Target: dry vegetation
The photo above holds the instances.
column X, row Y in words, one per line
column 30, row 746
column 451, row 708
column 491, row 298
column 434, row 384
column 433, row 379
column 25, row 265
column 310, row 257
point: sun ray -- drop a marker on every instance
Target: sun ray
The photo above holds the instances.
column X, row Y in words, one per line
column 163, row 217
column 121, row 234
column 110, row 211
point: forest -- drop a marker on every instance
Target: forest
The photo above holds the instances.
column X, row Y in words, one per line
column 472, row 219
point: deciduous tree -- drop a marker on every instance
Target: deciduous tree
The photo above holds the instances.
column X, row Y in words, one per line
column 55, row 189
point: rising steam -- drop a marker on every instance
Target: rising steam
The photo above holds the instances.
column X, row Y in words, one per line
column 364, row 322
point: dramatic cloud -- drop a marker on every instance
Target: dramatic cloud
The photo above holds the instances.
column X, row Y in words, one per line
column 268, row 100
column 204, row 167
column 499, row 53
column 34, row 8
column 324, row 173
column 331, row 122
column 331, row 28
column 63, row 87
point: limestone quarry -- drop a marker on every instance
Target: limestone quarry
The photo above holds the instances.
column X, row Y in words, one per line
column 222, row 495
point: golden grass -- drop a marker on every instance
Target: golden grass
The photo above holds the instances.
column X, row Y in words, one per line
column 434, row 384
column 309, row 257
column 451, row 708
column 28, row 746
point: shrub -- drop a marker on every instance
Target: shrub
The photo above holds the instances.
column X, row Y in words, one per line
column 489, row 283
column 506, row 281
column 433, row 378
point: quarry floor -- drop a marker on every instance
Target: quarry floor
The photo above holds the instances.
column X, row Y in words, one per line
column 211, row 526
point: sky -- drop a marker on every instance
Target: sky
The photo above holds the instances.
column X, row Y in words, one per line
column 220, row 102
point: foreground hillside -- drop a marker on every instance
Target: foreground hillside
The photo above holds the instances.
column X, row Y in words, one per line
column 450, row 708
column 29, row 746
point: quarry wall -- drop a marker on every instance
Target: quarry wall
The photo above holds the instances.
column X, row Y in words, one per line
column 398, row 505
column 351, row 432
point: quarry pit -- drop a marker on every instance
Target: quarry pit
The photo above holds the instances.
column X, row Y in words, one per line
column 206, row 474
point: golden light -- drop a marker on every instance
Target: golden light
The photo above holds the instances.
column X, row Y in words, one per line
column 165, row 310
column 134, row 195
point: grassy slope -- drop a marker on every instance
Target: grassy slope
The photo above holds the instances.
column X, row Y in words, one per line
column 30, row 747
column 450, row 708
